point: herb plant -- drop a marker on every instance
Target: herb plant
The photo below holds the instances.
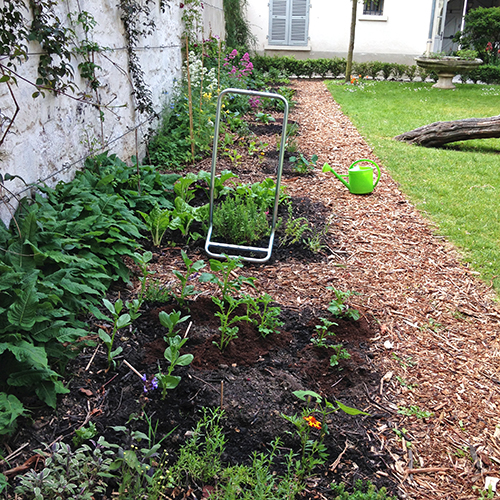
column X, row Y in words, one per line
column 240, row 220
column 192, row 268
column 339, row 308
column 170, row 321
column 119, row 321
column 301, row 165
column 263, row 315
column 172, row 354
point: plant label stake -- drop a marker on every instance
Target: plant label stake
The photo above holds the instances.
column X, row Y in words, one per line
column 229, row 246
column 360, row 177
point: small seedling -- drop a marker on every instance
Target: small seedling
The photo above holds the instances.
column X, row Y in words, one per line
column 414, row 411
column 171, row 320
column 339, row 308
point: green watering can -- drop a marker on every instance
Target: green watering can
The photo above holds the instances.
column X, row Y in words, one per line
column 360, row 177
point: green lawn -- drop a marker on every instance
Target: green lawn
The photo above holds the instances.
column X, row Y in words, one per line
column 457, row 186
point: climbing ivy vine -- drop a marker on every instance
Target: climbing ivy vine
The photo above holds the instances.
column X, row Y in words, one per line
column 62, row 42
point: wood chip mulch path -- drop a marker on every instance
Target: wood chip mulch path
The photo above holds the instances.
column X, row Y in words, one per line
column 439, row 325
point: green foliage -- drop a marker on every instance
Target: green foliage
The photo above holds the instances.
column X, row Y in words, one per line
column 301, row 165
column 200, row 458
column 119, row 321
column 171, row 320
column 263, row 315
column 10, row 409
column 172, row 354
column 81, row 473
column 157, row 222
column 60, row 255
column 339, row 354
column 294, row 228
column 157, row 292
column 339, row 308
column 362, row 491
column 240, row 221
column 228, row 303
column 238, row 29
column 191, row 269
column 482, row 33
column 414, row 410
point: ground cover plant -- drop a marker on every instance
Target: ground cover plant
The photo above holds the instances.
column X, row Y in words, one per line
column 458, row 185
column 136, row 367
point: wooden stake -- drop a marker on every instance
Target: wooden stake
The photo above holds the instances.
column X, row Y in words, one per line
column 190, row 99
column 222, row 394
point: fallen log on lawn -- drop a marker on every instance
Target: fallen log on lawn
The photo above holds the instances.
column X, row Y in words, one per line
column 439, row 133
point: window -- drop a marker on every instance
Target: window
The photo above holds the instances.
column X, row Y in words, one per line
column 288, row 22
column 373, row 7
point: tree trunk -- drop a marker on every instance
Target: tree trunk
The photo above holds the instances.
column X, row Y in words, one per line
column 439, row 133
column 350, row 51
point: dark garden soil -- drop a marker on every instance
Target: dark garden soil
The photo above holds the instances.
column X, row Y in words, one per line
column 407, row 279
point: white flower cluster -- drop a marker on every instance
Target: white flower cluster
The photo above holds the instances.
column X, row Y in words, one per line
column 197, row 71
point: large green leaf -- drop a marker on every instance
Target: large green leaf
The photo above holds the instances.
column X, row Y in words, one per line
column 23, row 312
column 27, row 352
column 10, row 409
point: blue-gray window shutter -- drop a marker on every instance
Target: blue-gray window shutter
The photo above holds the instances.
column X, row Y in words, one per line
column 299, row 22
column 288, row 22
column 278, row 22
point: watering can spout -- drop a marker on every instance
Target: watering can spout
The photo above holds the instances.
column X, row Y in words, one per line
column 327, row 168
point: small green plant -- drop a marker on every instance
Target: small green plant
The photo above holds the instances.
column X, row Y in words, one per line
column 294, row 228
column 157, row 292
column 157, row 223
column 84, row 434
column 405, row 383
column 263, row 315
column 134, row 305
column 240, row 220
column 81, row 473
column 119, row 321
column 340, row 353
column 322, row 332
column 312, row 450
column 264, row 117
column 192, row 268
column 362, row 491
column 339, row 308
column 134, row 465
column 170, row 321
column 301, row 165
column 200, row 459
column 172, row 354
column 414, row 410
column 227, row 304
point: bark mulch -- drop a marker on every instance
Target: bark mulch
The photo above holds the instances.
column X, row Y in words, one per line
column 439, row 323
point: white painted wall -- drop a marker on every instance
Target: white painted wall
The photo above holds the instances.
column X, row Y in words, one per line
column 397, row 36
column 51, row 135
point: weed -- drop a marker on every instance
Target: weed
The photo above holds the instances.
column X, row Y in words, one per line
column 156, row 292
column 264, row 117
column 362, row 491
column 414, row 411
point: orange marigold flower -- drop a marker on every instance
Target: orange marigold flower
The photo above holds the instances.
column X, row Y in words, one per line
column 313, row 422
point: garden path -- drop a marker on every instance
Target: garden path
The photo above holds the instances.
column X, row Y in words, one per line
column 439, row 325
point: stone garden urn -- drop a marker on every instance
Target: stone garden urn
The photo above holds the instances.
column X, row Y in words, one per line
column 446, row 68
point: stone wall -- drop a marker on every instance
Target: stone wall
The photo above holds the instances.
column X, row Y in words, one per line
column 52, row 135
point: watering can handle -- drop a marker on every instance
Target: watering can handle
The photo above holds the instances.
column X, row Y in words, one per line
column 372, row 162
